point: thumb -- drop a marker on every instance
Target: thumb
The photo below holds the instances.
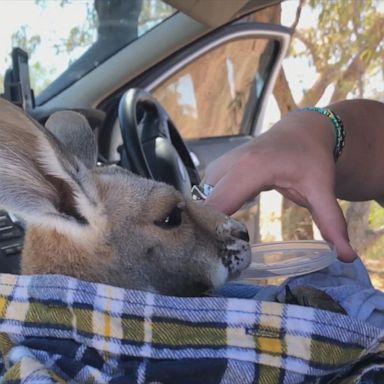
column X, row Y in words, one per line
column 328, row 216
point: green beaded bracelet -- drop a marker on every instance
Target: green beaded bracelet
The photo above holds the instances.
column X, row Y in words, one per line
column 337, row 124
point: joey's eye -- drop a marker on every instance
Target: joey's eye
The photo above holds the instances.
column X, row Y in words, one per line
column 172, row 220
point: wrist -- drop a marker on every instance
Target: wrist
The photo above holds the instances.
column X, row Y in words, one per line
column 313, row 130
column 337, row 125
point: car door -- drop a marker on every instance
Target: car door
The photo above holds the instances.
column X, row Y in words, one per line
column 216, row 92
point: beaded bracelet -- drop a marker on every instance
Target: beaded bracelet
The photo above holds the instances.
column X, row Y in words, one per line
column 337, row 124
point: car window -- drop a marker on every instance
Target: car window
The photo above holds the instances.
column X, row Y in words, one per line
column 209, row 96
column 67, row 39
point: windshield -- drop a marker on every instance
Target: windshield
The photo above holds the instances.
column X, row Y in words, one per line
column 65, row 39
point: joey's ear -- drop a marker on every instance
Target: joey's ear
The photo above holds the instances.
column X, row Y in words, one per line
column 39, row 178
column 73, row 130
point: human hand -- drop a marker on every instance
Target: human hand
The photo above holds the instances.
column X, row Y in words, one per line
column 294, row 159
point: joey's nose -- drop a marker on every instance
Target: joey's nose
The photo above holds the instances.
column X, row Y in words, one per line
column 244, row 235
column 241, row 233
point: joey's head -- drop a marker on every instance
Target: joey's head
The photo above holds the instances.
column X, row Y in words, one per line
column 106, row 224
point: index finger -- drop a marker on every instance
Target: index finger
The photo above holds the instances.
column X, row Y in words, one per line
column 234, row 189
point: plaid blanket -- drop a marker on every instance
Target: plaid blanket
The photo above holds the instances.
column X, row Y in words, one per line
column 60, row 329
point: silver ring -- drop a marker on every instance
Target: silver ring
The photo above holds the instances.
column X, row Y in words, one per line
column 201, row 192
column 207, row 189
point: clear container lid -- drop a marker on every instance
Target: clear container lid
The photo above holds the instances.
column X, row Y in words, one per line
column 288, row 258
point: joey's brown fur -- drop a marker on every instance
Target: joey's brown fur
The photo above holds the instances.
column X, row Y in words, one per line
column 104, row 223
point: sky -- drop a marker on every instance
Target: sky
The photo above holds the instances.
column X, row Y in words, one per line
column 15, row 13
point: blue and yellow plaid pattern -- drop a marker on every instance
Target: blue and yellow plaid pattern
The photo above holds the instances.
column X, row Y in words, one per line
column 57, row 329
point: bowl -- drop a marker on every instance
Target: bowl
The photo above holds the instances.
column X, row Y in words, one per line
column 288, row 258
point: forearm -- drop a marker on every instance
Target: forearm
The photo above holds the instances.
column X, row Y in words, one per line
column 360, row 168
column 359, row 171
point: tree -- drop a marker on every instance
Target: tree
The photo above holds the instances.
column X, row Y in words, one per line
column 353, row 24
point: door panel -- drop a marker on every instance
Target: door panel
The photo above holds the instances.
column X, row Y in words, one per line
column 207, row 150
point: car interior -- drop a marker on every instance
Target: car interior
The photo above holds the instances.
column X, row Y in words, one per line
column 167, row 86
column 125, row 87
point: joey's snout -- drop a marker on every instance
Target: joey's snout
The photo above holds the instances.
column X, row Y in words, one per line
column 236, row 251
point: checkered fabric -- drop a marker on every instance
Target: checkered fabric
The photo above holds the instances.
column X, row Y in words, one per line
column 60, row 329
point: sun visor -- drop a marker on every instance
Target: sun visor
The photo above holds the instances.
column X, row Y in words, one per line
column 212, row 13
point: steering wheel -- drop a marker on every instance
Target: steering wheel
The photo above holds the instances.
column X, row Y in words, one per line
column 152, row 144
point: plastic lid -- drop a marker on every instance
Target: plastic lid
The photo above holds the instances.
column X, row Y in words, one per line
column 289, row 258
